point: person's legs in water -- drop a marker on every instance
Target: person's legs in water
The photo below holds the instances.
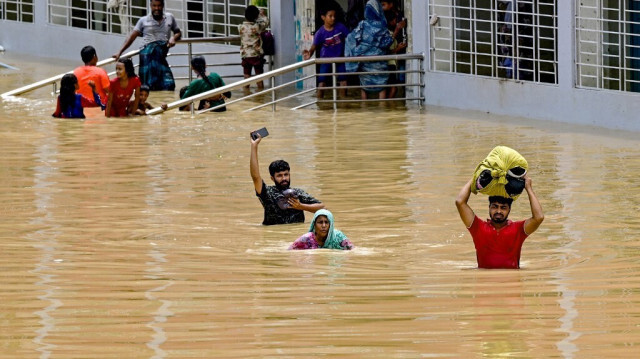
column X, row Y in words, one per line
column 322, row 79
column 246, row 70
column 259, row 70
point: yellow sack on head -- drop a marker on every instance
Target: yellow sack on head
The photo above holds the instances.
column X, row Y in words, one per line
column 500, row 173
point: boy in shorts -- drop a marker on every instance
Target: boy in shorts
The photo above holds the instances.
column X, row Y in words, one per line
column 251, row 43
column 330, row 40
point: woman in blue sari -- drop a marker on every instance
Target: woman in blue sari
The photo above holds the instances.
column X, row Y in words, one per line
column 370, row 38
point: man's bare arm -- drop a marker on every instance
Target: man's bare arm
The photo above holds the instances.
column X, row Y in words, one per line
column 309, row 207
column 130, row 39
column 537, row 216
column 466, row 213
column 254, row 168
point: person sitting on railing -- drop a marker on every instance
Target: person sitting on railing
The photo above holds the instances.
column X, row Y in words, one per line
column 205, row 83
column 70, row 103
column 125, row 85
column 251, row 43
column 156, row 29
column 90, row 72
column 330, row 40
column 370, row 38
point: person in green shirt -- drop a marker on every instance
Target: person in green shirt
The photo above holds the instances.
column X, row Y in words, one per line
column 205, row 83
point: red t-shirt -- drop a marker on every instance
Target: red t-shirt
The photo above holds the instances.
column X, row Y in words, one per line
column 497, row 248
column 121, row 96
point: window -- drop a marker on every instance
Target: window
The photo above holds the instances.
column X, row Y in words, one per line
column 608, row 44
column 196, row 18
column 16, row 10
column 511, row 39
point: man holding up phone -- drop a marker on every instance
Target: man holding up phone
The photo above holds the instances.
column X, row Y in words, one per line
column 269, row 196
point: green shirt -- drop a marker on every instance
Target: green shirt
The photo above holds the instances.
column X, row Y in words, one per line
column 199, row 86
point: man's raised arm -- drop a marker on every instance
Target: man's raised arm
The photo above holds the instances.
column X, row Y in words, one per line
column 254, row 168
column 531, row 224
column 466, row 213
column 130, row 39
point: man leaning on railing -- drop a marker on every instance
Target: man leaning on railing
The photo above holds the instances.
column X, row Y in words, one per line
column 155, row 29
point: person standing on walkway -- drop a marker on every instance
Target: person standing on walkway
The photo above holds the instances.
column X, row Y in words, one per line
column 156, row 30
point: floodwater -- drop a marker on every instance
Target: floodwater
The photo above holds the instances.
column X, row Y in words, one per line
column 141, row 237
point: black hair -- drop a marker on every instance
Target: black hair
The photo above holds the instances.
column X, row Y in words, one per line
column 200, row 67
column 325, row 10
column 183, row 90
column 67, row 91
column 128, row 67
column 501, row 200
column 162, row 1
column 145, row 88
column 278, row 166
column 251, row 13
column 87, row 53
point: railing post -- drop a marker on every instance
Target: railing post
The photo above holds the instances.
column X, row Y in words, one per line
column 335, row 86
column 190, row 54
column 55, row 88
column 272, row 82
column 420, row 81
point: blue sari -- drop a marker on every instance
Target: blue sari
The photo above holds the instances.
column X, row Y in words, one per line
column 370, row 38
column 154, row 69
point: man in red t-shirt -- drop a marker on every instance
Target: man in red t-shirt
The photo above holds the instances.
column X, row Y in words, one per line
column 498, row 240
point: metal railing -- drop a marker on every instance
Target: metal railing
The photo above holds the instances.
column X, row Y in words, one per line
column 271, row 78
column 55, row 79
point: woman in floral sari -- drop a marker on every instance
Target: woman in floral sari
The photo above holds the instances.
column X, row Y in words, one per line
column 322, row 234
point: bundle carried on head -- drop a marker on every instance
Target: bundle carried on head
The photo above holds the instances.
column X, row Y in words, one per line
column 501, row 173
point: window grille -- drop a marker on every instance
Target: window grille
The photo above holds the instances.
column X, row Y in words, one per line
column 196, row 18
column 16, row 10
column 608, row 44
column 511, row 39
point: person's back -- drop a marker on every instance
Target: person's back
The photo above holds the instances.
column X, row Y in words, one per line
column 249, row 31
column 251, row 50
column 90, row 72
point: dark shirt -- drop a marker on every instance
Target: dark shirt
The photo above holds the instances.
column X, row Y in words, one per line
column 273, row 214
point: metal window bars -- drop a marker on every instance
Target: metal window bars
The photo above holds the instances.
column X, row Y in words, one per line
column 16, row 10
column 508, row 39
column 196, row 18
column 608, row 44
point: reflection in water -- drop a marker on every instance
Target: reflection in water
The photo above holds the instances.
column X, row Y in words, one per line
column 163, row 312
column 142, row 236
column 45, row 240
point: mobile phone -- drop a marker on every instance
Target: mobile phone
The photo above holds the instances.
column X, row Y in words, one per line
column 262, row 132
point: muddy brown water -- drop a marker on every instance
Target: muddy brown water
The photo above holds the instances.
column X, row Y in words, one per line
column 141, row 237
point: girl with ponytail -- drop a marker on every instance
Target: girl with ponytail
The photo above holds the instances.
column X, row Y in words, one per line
column 205, row 83
column 70, row 104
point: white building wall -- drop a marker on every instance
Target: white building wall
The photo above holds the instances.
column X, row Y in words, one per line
column 562, row 102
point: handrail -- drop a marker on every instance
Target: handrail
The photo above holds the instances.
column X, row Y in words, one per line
column 54, row 79
column 276, row 72
column 233, row 86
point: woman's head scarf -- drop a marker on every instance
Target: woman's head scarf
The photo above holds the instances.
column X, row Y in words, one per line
column 334, row 237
